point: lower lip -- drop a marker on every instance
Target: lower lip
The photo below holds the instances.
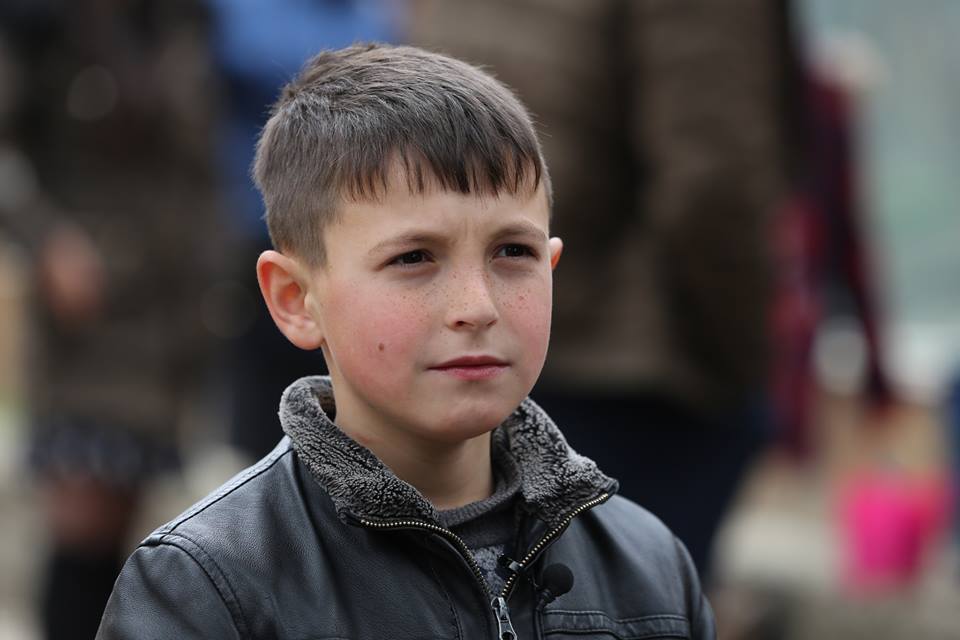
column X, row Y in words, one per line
column 481, row 372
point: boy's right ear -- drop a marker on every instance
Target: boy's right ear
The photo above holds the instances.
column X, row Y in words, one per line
column 284, row 283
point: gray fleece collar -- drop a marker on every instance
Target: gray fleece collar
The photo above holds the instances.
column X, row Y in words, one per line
column 554, row 479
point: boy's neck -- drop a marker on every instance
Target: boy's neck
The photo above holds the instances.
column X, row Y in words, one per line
column 448, row 475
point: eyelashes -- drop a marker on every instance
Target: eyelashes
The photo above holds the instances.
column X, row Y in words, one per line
column 515, row 251
column 420, row 257
column 410, row 259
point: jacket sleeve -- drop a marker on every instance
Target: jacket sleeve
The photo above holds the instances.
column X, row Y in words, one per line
column 165, row 592
column 703, row 626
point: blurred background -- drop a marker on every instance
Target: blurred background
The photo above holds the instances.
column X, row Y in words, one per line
column 757, row 324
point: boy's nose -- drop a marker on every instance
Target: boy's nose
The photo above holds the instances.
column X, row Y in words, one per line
column 472, row 305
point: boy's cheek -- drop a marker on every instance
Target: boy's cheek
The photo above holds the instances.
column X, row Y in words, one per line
column 530, row 311
column 528, row 314
column 372, row 326
column 374, row 354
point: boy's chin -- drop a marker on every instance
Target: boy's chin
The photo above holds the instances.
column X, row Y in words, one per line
column 462, row 426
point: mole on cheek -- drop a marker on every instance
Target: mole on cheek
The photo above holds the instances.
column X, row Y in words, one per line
column 380, row 347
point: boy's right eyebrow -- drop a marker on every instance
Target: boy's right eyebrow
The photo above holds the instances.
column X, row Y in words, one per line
column 405, row 240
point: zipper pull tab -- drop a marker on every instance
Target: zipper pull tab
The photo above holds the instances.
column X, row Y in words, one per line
column 502, row 612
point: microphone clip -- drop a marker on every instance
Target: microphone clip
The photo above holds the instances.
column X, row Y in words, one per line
column 555, row 580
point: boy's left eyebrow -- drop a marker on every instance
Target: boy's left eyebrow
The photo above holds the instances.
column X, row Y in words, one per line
column 520, row 229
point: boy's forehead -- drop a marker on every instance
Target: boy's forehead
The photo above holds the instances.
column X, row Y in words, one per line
column 400, row 209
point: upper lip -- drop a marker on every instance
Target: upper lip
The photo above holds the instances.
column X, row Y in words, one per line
column 470, row 361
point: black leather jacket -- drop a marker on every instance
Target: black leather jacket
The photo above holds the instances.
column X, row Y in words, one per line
column 294, row 547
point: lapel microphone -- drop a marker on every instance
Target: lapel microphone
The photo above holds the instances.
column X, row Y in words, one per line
column 556, row 580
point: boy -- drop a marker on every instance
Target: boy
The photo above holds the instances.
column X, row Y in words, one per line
column 417, row 493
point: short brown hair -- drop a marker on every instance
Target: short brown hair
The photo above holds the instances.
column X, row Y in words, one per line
column 340, row 124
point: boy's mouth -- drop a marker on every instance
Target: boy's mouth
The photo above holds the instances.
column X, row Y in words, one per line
column 472, row 367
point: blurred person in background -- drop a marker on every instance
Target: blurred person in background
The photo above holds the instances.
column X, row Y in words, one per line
column 258, row 46
column 660, row 125
column 105, row 179
column 820, row 240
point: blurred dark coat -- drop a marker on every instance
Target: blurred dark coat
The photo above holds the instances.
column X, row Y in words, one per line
column 658, row 122
column 105, row 121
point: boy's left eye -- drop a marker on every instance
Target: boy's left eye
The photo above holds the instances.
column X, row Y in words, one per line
column 514, row 251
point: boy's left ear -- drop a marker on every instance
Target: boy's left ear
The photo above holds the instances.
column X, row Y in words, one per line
column 556, row 248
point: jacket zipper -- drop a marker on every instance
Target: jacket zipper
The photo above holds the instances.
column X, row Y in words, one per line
column 497, row 603
column 549, row 537
column 450, row 535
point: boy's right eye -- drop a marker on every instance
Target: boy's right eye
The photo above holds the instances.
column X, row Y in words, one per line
column 410, row 258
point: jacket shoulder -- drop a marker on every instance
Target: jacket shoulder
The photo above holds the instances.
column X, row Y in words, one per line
column 635, row 529
column 240, row 528
column 192, row 576
column 221, row 502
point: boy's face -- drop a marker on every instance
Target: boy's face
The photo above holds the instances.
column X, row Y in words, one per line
column 434, row 310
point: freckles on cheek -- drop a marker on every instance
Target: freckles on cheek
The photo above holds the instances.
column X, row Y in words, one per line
column 531, row 312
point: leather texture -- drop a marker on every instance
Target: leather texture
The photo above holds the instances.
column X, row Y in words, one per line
column 266, row 556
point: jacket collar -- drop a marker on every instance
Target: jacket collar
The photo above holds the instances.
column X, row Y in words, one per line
column 554, row 479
